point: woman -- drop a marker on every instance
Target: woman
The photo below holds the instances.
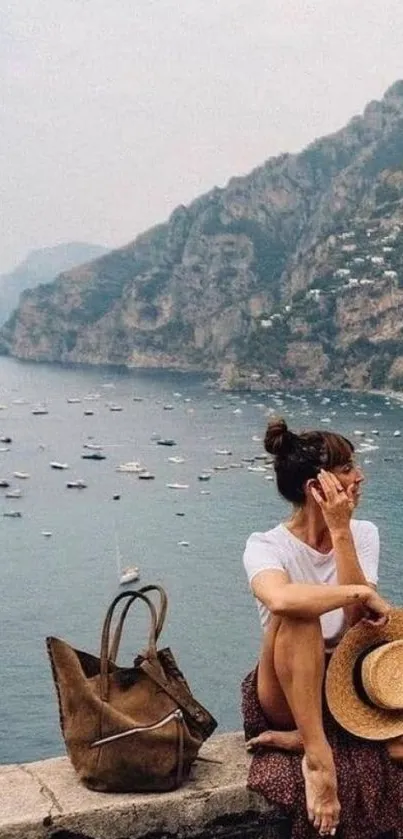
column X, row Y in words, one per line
column 313, row 577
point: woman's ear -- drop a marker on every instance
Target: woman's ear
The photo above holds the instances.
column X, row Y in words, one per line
column 310, row 484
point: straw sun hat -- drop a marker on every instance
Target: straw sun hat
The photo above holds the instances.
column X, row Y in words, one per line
column 364, row 680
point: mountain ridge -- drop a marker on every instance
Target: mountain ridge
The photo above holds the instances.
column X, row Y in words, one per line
column 42, row 265
column 244, row 281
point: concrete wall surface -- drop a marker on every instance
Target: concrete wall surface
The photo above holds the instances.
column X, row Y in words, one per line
column 44, row 800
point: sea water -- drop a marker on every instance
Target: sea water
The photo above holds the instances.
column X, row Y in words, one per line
column 189, row 540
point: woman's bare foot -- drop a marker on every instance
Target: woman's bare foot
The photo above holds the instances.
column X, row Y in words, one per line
column 321, row 792
column 290, row 741
column 395, row 748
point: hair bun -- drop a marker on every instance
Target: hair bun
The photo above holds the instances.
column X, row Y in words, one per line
column 278, row 439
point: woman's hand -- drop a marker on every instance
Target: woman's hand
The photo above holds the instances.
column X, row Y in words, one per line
column 335, row 502
column 376, row 609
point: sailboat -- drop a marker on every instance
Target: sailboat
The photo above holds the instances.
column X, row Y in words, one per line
column 125, row 575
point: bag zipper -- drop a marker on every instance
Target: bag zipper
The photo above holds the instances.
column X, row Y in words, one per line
column 174, row 715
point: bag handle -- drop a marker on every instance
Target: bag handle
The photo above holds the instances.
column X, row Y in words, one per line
column 151, row 651
column 162, row 611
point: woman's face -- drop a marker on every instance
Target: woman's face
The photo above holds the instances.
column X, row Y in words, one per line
column 351, row 477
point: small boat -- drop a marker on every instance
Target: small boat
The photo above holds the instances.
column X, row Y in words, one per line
column 5, row 439
column 13, row 493
column 91, row 397
column 54, row 464
column 256, row 469
column 203, row 477
column 205, row 492
column 177, row 486
column 39, row 410
column 46, row 533
column 129, row 575
column 397, row 433
column 222, row 468
column 4, row 484
column 125, row 575
column 4, row 448
column 76, row 484
column 176, row 459
column 88, row 412
column 226, row 452
column 115, row 408
column 13, row 514
column 72, row 400
column 218, row 407
column 166, row 442
column 93, row 456
column 21, row 475
column 183, row 544
column 137, row 398
column 131, row 466
column 93, row 446
column 146, row 476
column 168, row 407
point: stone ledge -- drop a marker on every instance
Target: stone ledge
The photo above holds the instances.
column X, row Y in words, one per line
column 44, row 800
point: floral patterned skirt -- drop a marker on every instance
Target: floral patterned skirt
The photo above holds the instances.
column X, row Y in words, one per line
column 370, row 785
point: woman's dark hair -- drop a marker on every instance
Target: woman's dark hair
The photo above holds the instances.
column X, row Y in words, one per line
column 299, row 457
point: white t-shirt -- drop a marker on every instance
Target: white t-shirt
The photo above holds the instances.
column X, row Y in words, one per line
column 279, row 550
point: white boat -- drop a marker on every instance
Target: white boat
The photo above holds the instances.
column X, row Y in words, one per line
column 131, row 466
column 256, row 469
column 115, row 408
column 94, row 446
column 137, row 398
column 183, row 543
column 397, row 433
column 72, row 400
column 223, row 451
column 13, row 514
column 177, row 486
column 46, row 533
column 39, row 410
column 54, row 464
column 204, row 477
column 13, row 493
column 125, row 575
column 168, row 407
column 76, row 484
column 176, row 459
column 21, row 475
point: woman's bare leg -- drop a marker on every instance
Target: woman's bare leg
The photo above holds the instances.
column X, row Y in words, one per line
column 290, row 679
column 395, row 748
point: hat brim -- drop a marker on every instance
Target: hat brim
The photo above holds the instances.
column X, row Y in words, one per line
column 346, row 706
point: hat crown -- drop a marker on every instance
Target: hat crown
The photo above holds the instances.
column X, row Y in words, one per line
column 382, row 675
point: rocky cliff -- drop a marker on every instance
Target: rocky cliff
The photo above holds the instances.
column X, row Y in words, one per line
column 42, row 266
column 291, row 274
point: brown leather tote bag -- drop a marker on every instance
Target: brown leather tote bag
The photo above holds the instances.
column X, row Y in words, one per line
column 128, row 729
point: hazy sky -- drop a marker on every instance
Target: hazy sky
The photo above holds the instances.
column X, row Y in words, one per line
column 115, row 111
